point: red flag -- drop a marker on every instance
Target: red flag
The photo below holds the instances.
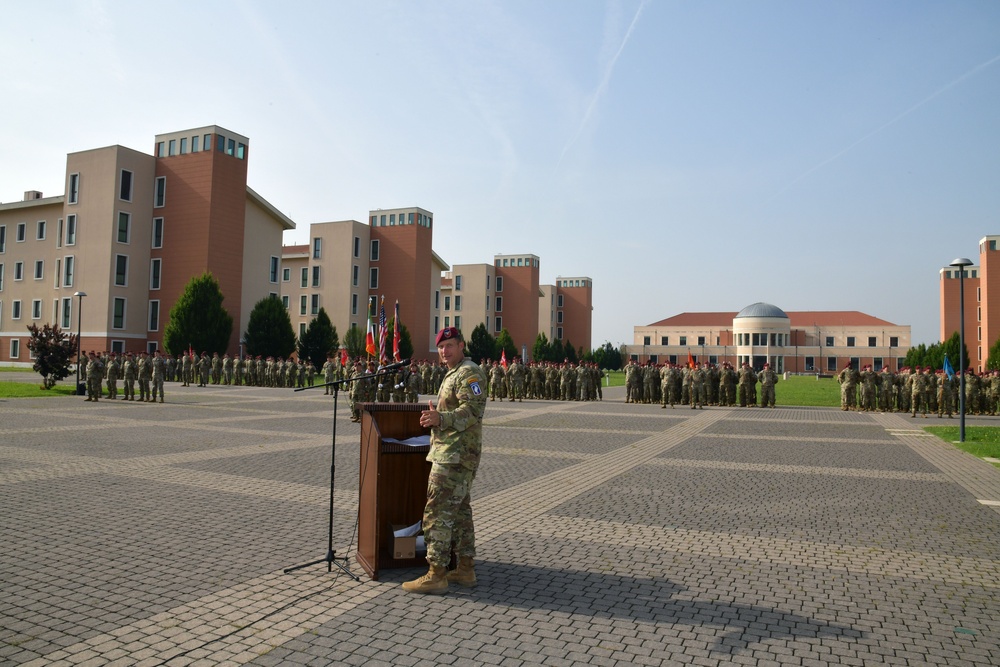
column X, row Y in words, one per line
column 395, row 334
column 503, row 359
column 343, row 356
column 370, row 337
column 383, row 358
column 690, row 360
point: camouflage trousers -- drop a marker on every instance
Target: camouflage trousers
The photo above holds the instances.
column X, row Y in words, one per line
column 448, row 514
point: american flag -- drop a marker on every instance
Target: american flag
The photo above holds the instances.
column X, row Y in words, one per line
column 395, row 334
column 382, row 357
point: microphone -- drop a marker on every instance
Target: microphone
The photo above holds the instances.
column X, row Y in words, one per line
column 396, row 366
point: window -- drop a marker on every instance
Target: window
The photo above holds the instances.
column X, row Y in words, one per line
column 60, row 227
column 121, row 270
column 357, row 246
column 559, row 333
column 68, row 271
column 286, row 275
column 184, row 145
column 437, row 301
column 447, row 322
column 458, row 322
column 125, row 192
column 831, row 364
column 220, row 143
column 157, row 233
column 499, row 304
column 154, row 274
column 314, row 304
column 303, row 302
column 67, row 312
column 645, row 340
column 195, row 143
column 39, row 269
column 374, row 251
column 118, row 314
column 871, row 341
column 304, row 279
column 172, row 147
column 71, row 229
column 36, row 309
column 354, row 304
column 458, row 302
column 315, row 280
column 684, row 340
column 664, row 340
column 15, row 348
column 15, row 309
column 850, row 341
column 355, row 275
column 373, row 278
column 499, row 283
column 231, row 147
column 21, row 227
column 701, row 340
column 58, row 272
column 18, row 270
column 317, row 248
column 458, row 284
column 893, row 341
column 559, row 317
column 273, row 274
column 1, row 277
column 829, row 341
column 3, row 238
column 285, row 301
column 302, row 329
column 241, row 151
column 40, row 230
column 124, row 220
column 559, row 301
column 160, row 192
column 154, row 316
column 447, row 303
column 73, row 190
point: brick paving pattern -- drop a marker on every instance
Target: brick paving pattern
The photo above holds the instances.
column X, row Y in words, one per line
column 609, row 534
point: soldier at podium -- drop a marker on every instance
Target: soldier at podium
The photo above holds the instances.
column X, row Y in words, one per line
column 456, row 445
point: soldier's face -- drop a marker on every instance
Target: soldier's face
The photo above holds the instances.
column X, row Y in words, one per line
column 451, row 352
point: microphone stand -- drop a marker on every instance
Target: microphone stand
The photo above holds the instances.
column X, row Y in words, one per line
column 331, row 557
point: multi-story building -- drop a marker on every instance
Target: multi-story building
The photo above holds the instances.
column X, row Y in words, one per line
column 794, row 342
column 982, row 315
column 130, row 232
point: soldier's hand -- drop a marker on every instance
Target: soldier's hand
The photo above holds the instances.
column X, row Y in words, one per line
column 431, row 417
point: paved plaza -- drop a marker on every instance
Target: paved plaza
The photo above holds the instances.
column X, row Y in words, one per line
column 609, row 534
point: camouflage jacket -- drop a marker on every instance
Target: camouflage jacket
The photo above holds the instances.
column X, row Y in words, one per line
column 461, row 404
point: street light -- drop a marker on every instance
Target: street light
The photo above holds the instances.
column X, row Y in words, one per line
column 79, row 318
column 960, row 264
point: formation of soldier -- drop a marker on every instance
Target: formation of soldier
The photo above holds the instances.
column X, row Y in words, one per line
column 914, row 390
column 401, row 385
column 543, row 380
column 110, row 367
column 697, row 385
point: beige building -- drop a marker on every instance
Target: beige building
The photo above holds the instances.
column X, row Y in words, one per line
column 794, row 342
column 129, row 233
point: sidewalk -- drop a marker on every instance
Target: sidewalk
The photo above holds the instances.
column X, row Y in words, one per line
column 609, row 533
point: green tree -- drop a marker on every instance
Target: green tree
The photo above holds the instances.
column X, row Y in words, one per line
column 52, row 350
column 951, row 348
column 269, row 330
column 556, row 353
column 481, row 344
column 198, row 319
column 569, row 352
column 541, row 350
column 993, row 360
column 506, row 345
column 318, row 340
column 354, row 341
column 608, row 357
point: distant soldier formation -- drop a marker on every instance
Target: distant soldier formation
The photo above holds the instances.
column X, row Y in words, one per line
column 697, row 385
column 543, row 380
column 918, row 390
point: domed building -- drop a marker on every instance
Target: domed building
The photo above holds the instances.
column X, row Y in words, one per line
column 793, row 342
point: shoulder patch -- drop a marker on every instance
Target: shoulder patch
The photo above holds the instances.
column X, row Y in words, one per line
column 474, row 386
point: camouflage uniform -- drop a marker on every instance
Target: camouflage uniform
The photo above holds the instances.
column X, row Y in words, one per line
column 158, row 370
column 128, row 375
column 768, row 378
column 456, row 446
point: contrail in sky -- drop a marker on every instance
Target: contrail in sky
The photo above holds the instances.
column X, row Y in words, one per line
column 916, row 106
column 603, row 86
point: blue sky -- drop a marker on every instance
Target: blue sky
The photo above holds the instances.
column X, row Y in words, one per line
column 685, row 155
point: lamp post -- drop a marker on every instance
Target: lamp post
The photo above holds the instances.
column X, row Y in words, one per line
column 960, row 264
column 79, row 319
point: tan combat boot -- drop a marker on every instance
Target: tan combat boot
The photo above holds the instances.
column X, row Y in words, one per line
column 435, row 582
column 464, row 574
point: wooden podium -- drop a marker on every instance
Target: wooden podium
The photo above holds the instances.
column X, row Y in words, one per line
column 393, row 483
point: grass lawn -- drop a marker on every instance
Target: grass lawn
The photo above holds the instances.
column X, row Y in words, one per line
column 980, row 441
column 34, row 389
column 796, row 390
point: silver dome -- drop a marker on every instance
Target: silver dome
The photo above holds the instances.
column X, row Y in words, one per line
column 761, row 309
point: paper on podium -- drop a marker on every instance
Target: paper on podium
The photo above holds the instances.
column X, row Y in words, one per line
column 408, row 531
column 415, row 441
